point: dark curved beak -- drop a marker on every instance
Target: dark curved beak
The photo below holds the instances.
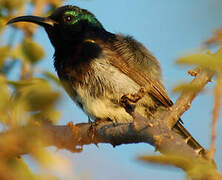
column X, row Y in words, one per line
column 42, row 21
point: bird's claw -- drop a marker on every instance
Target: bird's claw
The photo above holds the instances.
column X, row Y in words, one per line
column 92, row 128
column 128, row 101
column 134, row 98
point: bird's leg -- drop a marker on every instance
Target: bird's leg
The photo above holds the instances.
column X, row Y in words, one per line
column 91, row 130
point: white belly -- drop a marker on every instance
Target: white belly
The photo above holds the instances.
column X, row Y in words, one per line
column 104, row 106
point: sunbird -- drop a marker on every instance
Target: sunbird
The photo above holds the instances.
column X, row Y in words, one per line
column 97, row 68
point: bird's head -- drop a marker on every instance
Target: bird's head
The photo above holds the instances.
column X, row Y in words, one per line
column 65, row 24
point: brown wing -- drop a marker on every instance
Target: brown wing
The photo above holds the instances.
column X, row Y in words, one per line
column 155, row 88
column 134, row 60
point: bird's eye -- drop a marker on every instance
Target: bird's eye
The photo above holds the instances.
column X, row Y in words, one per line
column 68, row 18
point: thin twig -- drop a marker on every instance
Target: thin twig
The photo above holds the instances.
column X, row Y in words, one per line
column 183, row 103
column 215, row 115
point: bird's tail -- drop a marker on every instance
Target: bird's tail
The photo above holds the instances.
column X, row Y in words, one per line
column 189, row 139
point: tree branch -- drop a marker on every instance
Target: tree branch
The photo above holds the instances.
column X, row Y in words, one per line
column 73, row 137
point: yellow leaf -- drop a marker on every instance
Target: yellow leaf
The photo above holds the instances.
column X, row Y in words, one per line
column 40, row 97
column 20, row 169
column 4, row 100
column 173, row 160
column 186, row 87
column 52, row 77
column 34, row 100
column 21, row 83
column 195, row 168
column 4, row 52
column 33, row 51
column 10, row 5
column 212, row 62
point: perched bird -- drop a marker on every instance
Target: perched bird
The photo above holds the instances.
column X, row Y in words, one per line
column 97, row 67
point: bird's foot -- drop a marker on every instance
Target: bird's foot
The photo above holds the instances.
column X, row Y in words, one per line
column 112, row 121
column 93, row 126
column 134, row 98
column 128, row 101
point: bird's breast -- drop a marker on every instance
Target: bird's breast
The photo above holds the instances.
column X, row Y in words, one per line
column 97, row 87
column 96, row 84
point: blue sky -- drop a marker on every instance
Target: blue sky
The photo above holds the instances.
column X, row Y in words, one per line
column 170, row 29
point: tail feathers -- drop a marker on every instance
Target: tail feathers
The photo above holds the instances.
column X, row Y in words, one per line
column 189, row 139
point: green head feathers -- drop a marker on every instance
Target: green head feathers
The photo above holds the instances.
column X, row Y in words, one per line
column 72, row 15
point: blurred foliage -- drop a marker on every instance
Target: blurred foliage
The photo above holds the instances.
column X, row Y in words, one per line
column 195, row 169
column 186, row 87
column 216, row 39
column 31, row 51
column 208, row 61
column 26, row 100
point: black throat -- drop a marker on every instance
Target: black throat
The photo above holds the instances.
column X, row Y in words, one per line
column 75, row 49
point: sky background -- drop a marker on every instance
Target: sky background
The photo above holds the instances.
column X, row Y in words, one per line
column 170, row 29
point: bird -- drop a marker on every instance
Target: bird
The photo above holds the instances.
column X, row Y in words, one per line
column 97, row 68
